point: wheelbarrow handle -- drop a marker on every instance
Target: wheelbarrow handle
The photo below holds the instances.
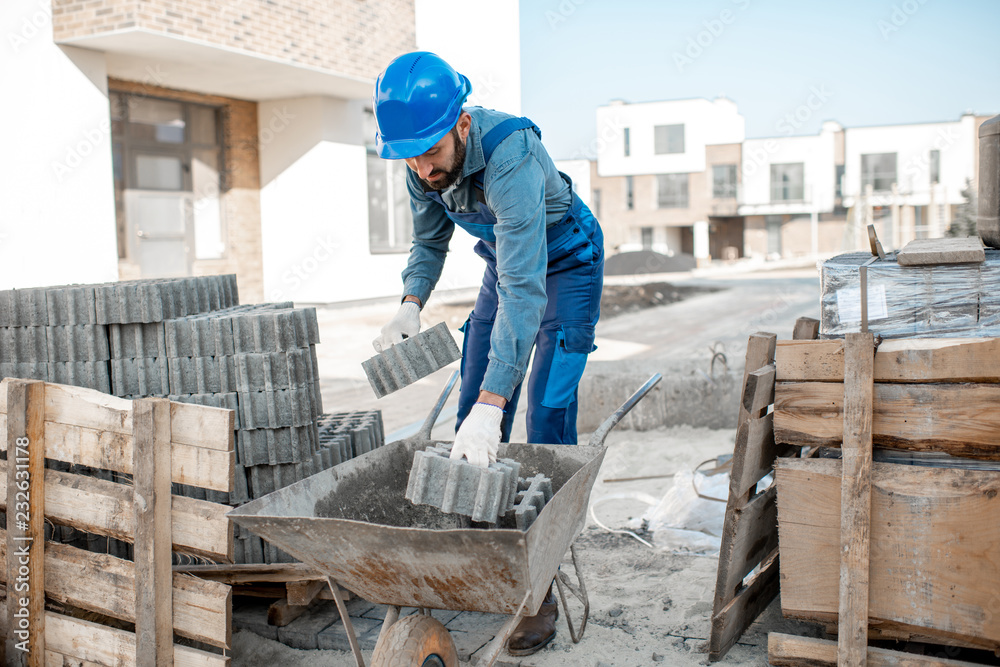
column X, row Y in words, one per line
column 425, row 430
column 597, row 439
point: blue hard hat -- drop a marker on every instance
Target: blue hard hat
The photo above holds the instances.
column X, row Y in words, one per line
column 417, row 100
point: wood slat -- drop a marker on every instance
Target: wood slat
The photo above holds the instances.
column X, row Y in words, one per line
column 959, row 419
column 759, row 391
column 856, row 494
column 897, row 360
column 791, row 651
column 756, row 537
column 105, row 584
column 153, row 578
column 756, row 440
column 934, row 569
column 250, row 573
column 806, row 328
column 105, row 508
column 760, row 353
column 25, row 439
column 191, row 424
column 732, row 620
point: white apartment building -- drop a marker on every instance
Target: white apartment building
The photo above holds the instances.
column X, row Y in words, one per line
column 191, row 137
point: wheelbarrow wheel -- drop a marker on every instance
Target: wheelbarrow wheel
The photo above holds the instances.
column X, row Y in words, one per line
column 415, row 641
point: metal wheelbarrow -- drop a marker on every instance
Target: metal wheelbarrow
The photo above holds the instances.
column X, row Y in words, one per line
column 353, row 524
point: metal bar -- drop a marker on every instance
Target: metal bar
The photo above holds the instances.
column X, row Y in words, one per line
column 425, row 430
column 492, row 650
column 580, row 593
column 597, row 439
column 348, row 626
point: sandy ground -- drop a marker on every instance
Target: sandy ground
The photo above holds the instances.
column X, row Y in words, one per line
column 648, row 605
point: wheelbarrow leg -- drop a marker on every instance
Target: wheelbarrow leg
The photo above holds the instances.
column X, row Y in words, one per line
column 348, row 626
column 579, row 592
column 498, row 643
column 391, row 616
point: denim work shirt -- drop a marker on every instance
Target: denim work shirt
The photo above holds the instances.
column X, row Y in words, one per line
column 525, row 192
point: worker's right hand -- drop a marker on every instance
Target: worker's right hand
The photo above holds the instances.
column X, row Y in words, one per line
column 478, row 439
column 405, row 324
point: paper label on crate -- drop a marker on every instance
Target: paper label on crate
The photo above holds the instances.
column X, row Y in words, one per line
column 849, row 303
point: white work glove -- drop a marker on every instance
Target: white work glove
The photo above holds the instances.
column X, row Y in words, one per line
column 405, row 324
column 479, row 437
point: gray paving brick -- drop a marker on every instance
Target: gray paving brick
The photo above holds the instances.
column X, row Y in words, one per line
column 207, row 335
column 269, row 446
column 251, row 614
column 131, row 341
column 275, row 370
column 274, row 409
column 274, row 330
column 458, row 487
column 144, row 376
column 273, row 554
column 24, row 344
column 334, row 637
column 92, row 375
column 532, row 495
column 24, row 307
column 201, row 375
column 78, row 342
column 413, row 359
column 301, row 633
column 27, row 370
column 227, row 400
column 71, row 304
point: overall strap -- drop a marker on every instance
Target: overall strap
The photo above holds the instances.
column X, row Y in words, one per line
column 494, row 138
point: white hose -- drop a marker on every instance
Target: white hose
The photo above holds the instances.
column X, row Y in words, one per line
column 635, row 495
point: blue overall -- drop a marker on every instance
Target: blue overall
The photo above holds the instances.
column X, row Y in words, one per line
column 574, row 279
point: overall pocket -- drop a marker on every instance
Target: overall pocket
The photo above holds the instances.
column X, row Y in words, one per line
column 573, row 344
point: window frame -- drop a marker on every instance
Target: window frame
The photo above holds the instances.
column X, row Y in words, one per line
column 663, row 198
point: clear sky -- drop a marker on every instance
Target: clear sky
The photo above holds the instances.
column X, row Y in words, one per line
column 871, row 62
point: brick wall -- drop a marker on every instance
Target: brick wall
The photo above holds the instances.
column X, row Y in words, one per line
column 352, row 37
column 240, row 197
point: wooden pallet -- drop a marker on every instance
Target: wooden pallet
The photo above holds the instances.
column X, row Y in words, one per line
column 155, row 441
column 750, row 532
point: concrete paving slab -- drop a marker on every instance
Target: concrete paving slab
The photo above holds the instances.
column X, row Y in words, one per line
column 411, row 360
column 24, row 344
column 301, row 633
column 334, row 636
column 130, row 341
column 78, row 342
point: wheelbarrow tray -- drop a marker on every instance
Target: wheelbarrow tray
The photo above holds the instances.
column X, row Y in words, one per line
column 353, row 524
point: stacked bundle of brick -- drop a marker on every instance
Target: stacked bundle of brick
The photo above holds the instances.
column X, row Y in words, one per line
column 458, row 487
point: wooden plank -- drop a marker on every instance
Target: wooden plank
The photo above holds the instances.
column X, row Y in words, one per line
column 756, row 440
column 928, row 252
column 97, row 506
column 301, row 593
column 153, row 577
column 106, row 585
column 756, row 537
column 250, row 573
column 933, row 565
column 759, row 391
column 806, row 328
column 760, row 353
column 856, row 495
column 959, row 419
column 25, row 636
column 897, row 360
column 282, row 612
column 791, row 651
column 195, row 425
column 732, row 620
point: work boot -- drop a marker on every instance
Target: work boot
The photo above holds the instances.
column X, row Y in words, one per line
column 534, row 632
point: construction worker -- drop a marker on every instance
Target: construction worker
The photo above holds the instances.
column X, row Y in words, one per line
column 488, row 173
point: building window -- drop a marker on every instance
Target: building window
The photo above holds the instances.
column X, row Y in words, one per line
column 773, row 224
column 168, row 178
column 839, row 185
column 879, row 171
column 390, row 221
column 627, row 143
column 935, row 166
column 787, row 182
column 724, row 181
column 647, row 237
column 672, row 190
column 668, row 139
column 629, row 194
column 596, row 202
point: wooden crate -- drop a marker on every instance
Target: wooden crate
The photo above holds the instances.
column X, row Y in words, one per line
column 156, row 442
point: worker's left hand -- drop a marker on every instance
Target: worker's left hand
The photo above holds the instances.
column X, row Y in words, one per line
column 478, row 439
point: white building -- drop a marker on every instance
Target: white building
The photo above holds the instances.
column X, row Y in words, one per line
column 189, row 137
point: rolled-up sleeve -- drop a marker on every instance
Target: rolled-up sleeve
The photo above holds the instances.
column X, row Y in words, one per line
column 432, row 231
column 516, row 195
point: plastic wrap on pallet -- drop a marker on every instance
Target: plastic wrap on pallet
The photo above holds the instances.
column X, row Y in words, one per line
column 928, row 301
